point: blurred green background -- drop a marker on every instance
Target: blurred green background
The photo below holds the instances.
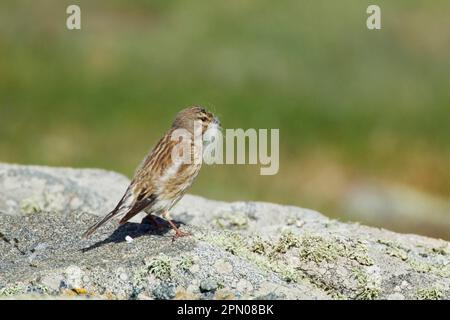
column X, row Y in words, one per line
column 364, row 116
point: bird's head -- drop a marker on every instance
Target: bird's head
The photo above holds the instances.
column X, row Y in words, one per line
column 187, row 118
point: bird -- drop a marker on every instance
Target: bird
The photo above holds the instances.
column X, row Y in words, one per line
column 162, row 178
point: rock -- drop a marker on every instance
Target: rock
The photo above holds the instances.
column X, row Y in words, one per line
column 164, row 291
column 268, row 251
column 223, row 267
column 208, row 285
column 29, row 189
column 244, row 286
column 395, row 296
column 73, row 277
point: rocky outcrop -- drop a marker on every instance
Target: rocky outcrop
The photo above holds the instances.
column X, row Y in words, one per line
column 237, row 250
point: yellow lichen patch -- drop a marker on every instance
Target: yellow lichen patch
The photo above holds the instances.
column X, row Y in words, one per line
column 80, row 291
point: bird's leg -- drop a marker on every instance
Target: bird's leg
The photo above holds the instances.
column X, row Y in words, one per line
column 178, row 232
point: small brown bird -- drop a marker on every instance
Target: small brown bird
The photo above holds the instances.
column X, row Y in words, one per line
column 162, row 179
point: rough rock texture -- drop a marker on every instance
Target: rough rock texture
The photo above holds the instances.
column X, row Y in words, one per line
column 237, row 250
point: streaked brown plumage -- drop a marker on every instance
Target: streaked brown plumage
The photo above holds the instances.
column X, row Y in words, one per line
column 160, row 182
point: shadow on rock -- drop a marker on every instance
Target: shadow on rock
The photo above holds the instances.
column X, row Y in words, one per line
column 148, row 226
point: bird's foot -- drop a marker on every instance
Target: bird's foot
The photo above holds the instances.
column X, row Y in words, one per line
column 179, row 234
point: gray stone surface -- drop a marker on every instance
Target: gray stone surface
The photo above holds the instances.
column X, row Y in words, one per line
column 237, row 250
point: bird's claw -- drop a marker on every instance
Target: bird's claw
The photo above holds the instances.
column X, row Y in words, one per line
column 179, row 234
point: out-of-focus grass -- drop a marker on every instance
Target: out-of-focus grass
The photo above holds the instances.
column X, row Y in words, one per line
column 349, row 102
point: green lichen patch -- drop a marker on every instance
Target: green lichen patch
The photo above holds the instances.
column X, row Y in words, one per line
column 230, row 241
column 274, row 256
column 394, row 250
column 321, row 282
column 186, row 262
column 139, row 280
column 232, row 221
column 357, row 250
column 442, row 250
column 286, row 241
column 285, row 255
column 434, row 251
column 319, row 249
column 368, row 289
column 338, row 296
column 235, row 244
column 13, row 290
column 160, row 267
column 367, row 293
column 423, row 266
column 431, row 260
column 287, row 272
column 30, row 206
column 429, row 294
column 257, row 245
column 20, row 288
column 257, row 251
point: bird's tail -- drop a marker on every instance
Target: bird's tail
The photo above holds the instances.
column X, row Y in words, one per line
column 121, row 206
column 94, row 227
column 126, row 204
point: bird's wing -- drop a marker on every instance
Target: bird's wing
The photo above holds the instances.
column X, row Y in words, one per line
column 139, row 205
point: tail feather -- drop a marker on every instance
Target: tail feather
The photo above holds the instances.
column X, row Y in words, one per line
column 94, row 227
column 136, row 207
